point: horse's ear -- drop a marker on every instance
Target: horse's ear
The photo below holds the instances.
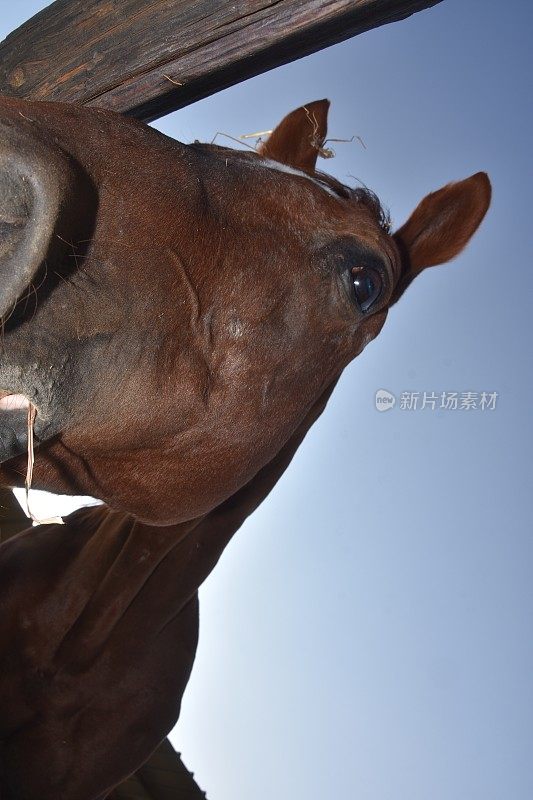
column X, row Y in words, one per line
column 297, row 139
column 441, row 225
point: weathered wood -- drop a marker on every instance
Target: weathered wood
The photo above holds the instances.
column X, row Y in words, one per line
column 130, row 55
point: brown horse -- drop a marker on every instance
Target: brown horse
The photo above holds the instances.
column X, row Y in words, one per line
column 178, row 315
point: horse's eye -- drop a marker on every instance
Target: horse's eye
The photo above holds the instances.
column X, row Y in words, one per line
column 367, row 286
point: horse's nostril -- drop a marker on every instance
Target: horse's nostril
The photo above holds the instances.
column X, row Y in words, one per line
column 14, row 425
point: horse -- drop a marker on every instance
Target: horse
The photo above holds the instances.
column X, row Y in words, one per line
column 175, row 318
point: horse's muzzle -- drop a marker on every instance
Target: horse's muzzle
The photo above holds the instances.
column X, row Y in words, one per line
column 13, row 424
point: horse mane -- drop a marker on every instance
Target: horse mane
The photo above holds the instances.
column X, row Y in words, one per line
column 358, row 194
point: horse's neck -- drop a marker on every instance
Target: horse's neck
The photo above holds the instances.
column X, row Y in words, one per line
column 102, row 565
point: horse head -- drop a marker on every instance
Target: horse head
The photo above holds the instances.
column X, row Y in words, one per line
column 172, row 311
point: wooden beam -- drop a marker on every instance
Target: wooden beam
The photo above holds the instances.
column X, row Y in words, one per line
column 149, row 57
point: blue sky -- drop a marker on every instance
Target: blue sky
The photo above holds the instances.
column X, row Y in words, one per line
column 368, row 632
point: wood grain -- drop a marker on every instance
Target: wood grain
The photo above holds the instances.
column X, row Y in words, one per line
column 149, row 57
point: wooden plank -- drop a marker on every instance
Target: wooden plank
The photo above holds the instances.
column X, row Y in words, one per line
column 130, row 55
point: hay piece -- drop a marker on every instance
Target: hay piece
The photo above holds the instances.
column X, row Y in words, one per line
column 32, row 413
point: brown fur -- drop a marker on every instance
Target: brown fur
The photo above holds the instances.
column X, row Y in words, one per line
column 186, row 344
column 298, row 138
